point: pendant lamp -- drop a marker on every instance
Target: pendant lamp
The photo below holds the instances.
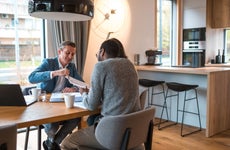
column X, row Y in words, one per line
column 62, row 10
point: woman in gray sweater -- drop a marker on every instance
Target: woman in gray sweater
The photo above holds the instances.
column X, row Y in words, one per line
column 114, row 88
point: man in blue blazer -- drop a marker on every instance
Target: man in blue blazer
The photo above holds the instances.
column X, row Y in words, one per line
column 50, row 77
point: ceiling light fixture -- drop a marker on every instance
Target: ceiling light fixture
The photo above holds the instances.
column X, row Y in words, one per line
column 62, row 10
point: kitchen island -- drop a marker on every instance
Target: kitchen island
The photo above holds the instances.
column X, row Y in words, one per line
column 213, row 93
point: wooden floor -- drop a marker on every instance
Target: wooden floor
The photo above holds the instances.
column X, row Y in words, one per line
column 170, row 139
column 166, row 139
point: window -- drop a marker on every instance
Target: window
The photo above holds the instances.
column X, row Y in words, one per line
column 21, row 48
column 227, row 45
column 165, row 13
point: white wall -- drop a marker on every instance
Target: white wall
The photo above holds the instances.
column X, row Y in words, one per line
column 136, row 33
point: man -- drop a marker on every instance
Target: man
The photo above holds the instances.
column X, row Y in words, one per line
column 50, row 76
column 114, row 88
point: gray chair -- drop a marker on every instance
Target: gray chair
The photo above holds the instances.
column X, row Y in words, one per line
column 142, row 95
column 129, row 131
column 8, row 137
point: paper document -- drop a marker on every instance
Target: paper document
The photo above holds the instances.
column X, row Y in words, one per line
column 77, row 82
column 79, row 104
column 59, row 97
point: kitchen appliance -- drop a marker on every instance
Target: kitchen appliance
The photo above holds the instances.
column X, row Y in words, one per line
column 152, row 57
column 194, row 34
column 194, row 44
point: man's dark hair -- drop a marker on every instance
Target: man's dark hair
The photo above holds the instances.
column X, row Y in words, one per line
column 113, row 48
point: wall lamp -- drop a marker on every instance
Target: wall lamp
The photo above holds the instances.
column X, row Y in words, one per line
column 62, row 10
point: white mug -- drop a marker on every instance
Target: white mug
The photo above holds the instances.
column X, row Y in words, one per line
column 69, row 100
column 35, row 92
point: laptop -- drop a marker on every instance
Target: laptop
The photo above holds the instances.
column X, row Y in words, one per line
column 11, row 95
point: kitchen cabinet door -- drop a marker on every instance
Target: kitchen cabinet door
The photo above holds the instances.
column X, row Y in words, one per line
column 220, row 13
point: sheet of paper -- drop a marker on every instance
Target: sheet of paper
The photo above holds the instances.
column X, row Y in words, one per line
column 77, row 82
column 59, row 97
column 79, row 104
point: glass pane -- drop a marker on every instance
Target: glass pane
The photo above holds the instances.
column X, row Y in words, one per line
column 227, row 45
column 20, row 49
column 164, row 17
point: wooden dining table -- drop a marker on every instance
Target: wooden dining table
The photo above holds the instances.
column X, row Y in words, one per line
column 40, row 113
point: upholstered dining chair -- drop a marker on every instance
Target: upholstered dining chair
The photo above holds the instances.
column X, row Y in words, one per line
column 8, row 137
column 142, row 95
column 124, row 132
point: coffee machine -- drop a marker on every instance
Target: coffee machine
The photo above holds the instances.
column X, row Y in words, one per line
column 152, row 56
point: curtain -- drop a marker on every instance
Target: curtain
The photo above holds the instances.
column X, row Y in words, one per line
column 77, row 32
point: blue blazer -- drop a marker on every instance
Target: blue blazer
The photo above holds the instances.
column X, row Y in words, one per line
column 42, row 74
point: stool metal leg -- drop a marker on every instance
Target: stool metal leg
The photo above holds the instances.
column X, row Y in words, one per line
column 149, row 102
column 165, row 107
column 198, row 109
column 157, row 93
column 184, row 111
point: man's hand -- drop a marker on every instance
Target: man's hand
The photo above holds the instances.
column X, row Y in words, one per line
column 61, row 72
column 69, row 90
column 82, row 90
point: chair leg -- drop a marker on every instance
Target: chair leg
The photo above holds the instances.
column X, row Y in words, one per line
column 149, row 101
column 198, row 109
column 27, row 138
column 198, row 114
column 125, row 140
column 39, row 136
column 165, row 107
column 182, row 122
column 159, row 105
column 148, row 143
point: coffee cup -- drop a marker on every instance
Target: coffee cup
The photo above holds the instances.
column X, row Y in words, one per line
column 35, row 92
column 69, row 100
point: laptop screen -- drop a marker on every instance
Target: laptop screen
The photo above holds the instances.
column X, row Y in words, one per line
column 11, row 95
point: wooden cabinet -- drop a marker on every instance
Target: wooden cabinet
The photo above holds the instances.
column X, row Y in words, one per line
column 220, row 14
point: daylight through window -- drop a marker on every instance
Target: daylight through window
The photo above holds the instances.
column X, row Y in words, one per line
column 20, row 41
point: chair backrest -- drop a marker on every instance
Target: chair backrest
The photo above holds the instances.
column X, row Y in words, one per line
column 8, row 137
column 142, row 95
column 111, row 131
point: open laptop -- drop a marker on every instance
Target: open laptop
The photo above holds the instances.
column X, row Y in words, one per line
column 11, row 95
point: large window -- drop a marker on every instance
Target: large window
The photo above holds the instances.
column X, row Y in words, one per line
column 21, row 41
column 227, row 45
column 165, row 14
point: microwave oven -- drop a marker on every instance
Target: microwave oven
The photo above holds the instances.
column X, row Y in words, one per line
column 194, row 34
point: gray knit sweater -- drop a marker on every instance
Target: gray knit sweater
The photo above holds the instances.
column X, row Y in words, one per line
column 114, row 87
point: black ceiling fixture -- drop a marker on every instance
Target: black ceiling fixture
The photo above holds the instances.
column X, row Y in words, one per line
column 62, row 10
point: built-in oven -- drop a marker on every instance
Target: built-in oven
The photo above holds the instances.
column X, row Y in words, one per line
column 194, row 58
column 194, row 45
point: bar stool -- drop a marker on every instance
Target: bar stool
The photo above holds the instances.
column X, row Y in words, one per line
column 150, row 84
column 178, row 87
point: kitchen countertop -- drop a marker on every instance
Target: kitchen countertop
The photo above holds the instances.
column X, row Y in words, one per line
column 213, row 90
column 218, row 65
column 186, row 70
